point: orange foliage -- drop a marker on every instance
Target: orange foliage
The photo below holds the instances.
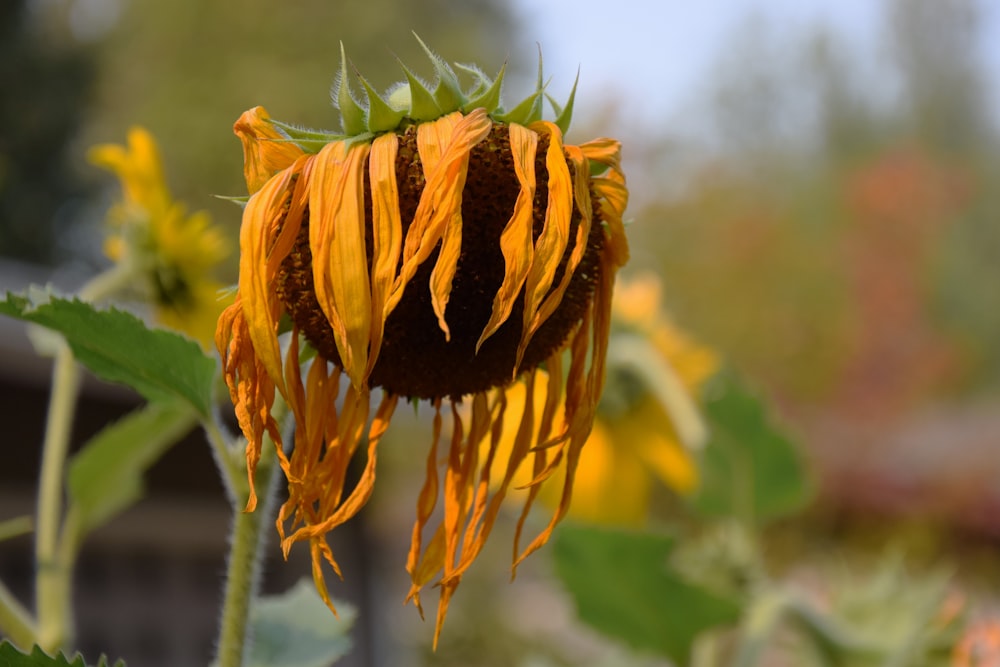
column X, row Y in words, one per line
column 898, row 206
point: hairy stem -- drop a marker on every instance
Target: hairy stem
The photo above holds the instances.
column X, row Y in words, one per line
column 242, row 574
column 234, row 477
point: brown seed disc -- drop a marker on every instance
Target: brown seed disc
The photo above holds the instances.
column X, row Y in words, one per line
column 415, row 360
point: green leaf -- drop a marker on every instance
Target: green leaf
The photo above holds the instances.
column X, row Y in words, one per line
column 623, row 585
column 296, row 629
column 889, row 616
column 751, row 469
column 117, row 346
column 11, row 657
column 105, row 477
column 15, row 527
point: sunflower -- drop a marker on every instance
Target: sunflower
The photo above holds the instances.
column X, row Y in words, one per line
column 172, row 254
column 648, row 426
column 437, row 249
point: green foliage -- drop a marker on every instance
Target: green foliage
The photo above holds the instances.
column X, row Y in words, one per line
column 118, row 347
column 105, row 477
column 893, row 617
column 19, row 525
column 750, row 469
column 623, row 585
column 11, row 657
column 296, row 629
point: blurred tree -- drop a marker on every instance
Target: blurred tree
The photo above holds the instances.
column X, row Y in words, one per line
column 947, row 95
column 934, row 42
column 45, row 84
column 849, row 121
column 186, row 69
column 899, row 204
column 841, row 244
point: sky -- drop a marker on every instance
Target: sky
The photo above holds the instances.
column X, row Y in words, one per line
column 662, row 49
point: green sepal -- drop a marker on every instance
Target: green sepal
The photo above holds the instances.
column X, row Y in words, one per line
column 422, row 104
column 489, row 97
column 240, row 201
column 482, row 81
column 311, row 141
column 564, row 115
column 314, row 146
column 364, row 137
column 297, row 134
column 530, row 108
column 526, row 112
column 381, row 116
column 448, row 93
column 352, row 114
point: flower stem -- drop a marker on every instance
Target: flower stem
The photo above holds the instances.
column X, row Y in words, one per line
column 15, row 621
column 52, row 586
column 242, row 573
column 234, row 477
column 51, row 590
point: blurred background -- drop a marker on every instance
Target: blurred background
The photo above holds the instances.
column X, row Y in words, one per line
column 816, row 183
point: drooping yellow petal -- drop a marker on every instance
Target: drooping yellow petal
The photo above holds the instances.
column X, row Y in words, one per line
column 516, row 239
column 583, row 390
column 262, row 217
column 387, row 233
column 456, row 491
column 581, row 192
column 614, row 197
column 441, row 198
column 342, row 511
column 421, row 569
column 339, row 258
column 265, row 150
column 542, row 467
column 604, row 151
column 315, row 500
column 613, row 194
column 250, row 387
column 249, row 328
column 443, row 273
column 429, row 564
column 555, row 234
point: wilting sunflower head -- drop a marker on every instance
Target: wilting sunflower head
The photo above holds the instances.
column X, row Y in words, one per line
column 437, row 248
column 172, row 254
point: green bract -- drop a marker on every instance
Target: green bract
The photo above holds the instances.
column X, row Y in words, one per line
column 413, row 101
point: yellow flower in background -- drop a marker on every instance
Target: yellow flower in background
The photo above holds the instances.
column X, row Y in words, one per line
column 437, row 249
column 648, row 427
column 174, row 255
column 649, row 412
